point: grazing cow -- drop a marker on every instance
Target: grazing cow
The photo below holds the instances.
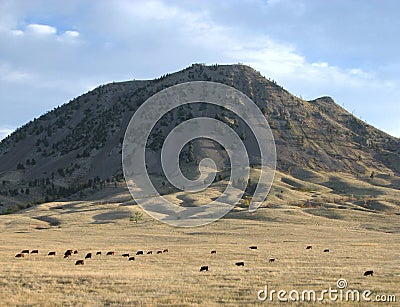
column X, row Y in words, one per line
column 125, row 255
column 20, row 255
column 149, row 253
column 25, row 251
column 51, row 254
column 80, row 262
column 131, row 258
column 240, row 263
column 98, row 253
column 271, row 259
column 159, row 252
column 326, row 250
column 75, row 252
column 367, row 273
column 204, row 268
column 309, row 247
column 213, row 252
column 35, row 251
column 110, row 253
column 88, row 256
column 253, row 247
column 139, row 253
column 68, row 251
column 165, row 250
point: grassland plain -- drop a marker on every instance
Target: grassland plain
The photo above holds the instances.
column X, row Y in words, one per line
column 357, row 241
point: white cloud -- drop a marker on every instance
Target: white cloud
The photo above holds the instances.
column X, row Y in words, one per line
column 5, row 132
column 71, row 33
column 320, row 64
column 17, row 32
column 10, row 74
column 41, row 29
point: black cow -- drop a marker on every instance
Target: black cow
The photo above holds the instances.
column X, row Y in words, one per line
column 165, row 250
column 369, row 273
column 204, row 268
column 125, row 255
column 51, row 254
column 271, row 259
column 131, row 258
column 110, row 253
column 240, row 263
column 159, row 252
column 149, row 253
column 98, row 253
column 80, row 262
column 88, row 256
column 139, row 253
column 20, row 255
column 75, row 252
column 326, row 250
column 309, row 247
column 253, row 247
column 213, row 252
column 25, row 251
column 35, row 251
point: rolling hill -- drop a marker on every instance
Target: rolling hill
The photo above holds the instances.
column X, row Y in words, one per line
column 75, row 149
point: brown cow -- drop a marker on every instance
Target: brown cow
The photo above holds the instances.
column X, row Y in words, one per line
column 139, row 253
column 125, row 255
column 131, row 258
column 204, row 268
column 20, row 255
column 51, row 254
column 35, row 251
column 369, row 273
column 213, row 252
column 25, row 251
column 88, row 256
column 240, row 263
column 110, row 253
column 80, row 262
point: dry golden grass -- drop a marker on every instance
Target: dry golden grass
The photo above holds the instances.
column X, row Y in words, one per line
column 173, row 278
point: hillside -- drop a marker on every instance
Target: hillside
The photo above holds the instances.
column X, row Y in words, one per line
column 76, row 148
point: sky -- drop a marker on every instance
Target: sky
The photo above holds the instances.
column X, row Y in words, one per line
column 52, row 51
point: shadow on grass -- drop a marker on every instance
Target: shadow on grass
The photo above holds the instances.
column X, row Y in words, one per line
column 342, row 186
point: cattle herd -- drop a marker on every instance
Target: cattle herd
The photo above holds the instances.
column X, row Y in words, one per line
column 69, row 252
column 254, row 247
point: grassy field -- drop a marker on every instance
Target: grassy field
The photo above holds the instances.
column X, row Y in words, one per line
column 358, row 239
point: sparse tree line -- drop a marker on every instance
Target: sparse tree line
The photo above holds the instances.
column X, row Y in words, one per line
column 48, row 191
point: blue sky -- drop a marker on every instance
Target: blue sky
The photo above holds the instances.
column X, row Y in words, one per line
column 53, row 51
